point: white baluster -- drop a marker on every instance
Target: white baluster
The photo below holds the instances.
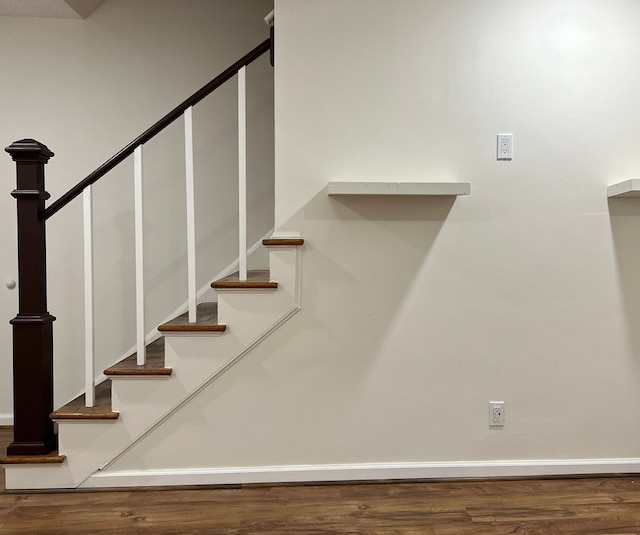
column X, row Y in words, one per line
column 89, row 344
column 191, row 214
column 242, row 173
column 137, row 174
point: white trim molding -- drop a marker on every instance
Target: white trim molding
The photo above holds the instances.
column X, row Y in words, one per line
column 362, row 472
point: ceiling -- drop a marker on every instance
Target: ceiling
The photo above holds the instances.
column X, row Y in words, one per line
column 59, row 9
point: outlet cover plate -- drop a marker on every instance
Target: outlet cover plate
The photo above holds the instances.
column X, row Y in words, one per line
column 505, row 147
column 496, row 414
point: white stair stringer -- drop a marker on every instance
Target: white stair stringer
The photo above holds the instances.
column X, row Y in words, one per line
column 144, row 403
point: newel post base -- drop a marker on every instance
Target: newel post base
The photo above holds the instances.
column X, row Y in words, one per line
column 33, row 326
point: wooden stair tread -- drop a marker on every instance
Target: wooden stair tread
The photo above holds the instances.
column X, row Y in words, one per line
column 154, row 363
column 76, row 410
column 270, row 242
column 206, row 321
column 49, row 458
column 256, row 278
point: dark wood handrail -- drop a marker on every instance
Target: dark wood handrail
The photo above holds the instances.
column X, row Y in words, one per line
column 155, row 129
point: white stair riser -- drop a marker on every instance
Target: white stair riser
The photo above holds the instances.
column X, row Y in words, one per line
column 280, row 261
column 87, row 445
column 142, row 400
column 38, row 476
column 246, row 313
column 193, row 359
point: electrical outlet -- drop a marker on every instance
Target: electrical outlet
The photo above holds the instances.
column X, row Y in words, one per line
column 505, row 146
column 496, row 413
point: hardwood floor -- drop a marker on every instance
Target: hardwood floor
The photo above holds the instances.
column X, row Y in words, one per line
column 577, row 506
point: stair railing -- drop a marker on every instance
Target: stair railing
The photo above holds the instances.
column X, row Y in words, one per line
column 33, row 325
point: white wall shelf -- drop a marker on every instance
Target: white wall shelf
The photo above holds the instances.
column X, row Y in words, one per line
column 628, row 188
column 399, row 188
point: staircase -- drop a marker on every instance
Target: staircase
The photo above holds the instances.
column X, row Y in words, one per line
column 148, row 388
column 185, row 360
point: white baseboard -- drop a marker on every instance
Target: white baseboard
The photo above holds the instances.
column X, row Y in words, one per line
column 362, row 472
column 6, row 419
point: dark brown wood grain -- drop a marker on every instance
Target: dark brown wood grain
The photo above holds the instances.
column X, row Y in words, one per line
column 573, row 506
column 76, row 409
column 580, row 506
column 49, row 458
column 274, row 242
column 256, row 279
column 33, row 326
column 6, row 436
column 206, row 321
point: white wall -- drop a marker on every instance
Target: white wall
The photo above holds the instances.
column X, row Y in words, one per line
column 86, row 89
column 417, row 311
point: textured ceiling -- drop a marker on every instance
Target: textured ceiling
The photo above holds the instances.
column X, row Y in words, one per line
column 59, row 9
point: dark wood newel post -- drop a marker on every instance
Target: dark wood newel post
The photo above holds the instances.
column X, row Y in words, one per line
column 33, row 326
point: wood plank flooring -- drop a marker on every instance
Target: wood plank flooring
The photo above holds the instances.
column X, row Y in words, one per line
column 579, row 506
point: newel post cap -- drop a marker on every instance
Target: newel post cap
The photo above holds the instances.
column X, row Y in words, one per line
column 29, row 150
